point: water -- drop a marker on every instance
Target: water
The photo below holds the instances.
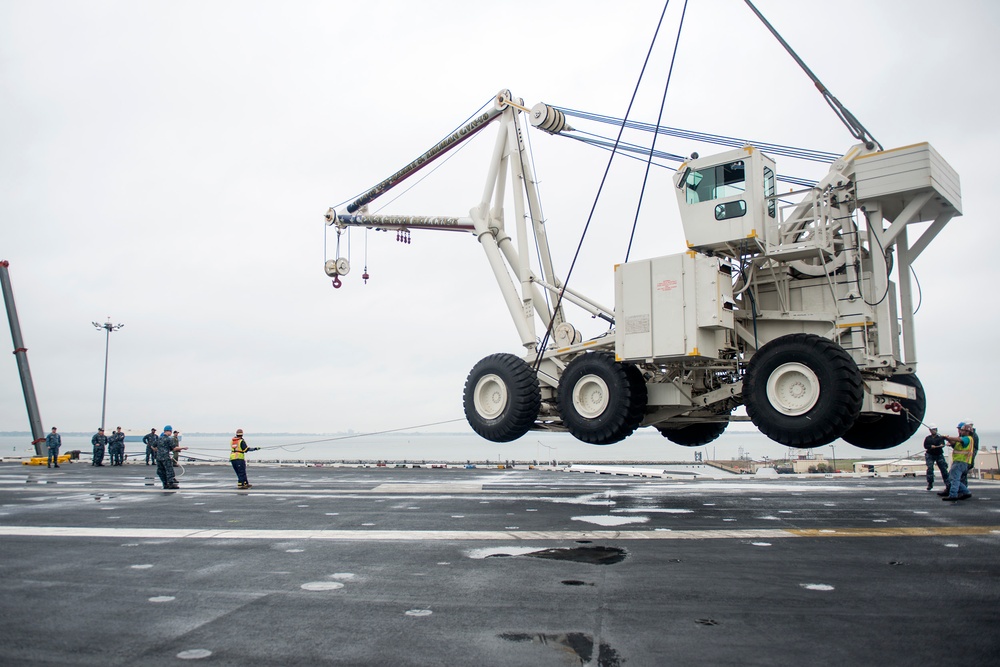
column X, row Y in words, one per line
column 645, row 445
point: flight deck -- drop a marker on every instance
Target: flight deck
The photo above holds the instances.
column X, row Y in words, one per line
column 324, row 565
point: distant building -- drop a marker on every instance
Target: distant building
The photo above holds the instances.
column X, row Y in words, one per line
column 805, row 462
column 891, row 467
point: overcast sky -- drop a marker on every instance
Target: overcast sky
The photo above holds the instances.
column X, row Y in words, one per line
column 168, row 164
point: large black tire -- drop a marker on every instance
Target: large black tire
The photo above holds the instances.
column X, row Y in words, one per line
column 638, row 399
column 502, row 397
column 802, row 390
column 886, row 431
column 600, row 400
column 693, row 435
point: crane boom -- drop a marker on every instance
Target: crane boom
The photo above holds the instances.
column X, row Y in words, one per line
column 21, row 352
column 857, row 130
column 460, row 135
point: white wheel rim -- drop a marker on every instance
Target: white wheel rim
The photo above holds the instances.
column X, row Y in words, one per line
column 793, row 389
column 590, row 396
column 490, row 397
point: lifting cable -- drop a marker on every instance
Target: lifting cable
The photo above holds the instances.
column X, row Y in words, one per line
column 632, row 151
column 659, row 119
column 854, row 126
column 783, row 150
column 604, row 178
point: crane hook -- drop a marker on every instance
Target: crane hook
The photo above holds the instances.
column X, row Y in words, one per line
column 336, row 282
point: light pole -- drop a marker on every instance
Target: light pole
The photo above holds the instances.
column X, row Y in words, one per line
column 834, row 450
column 108, row 328
column 548, row 447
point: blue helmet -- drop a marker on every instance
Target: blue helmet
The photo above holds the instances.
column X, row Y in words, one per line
column 168, row 428
column 961, row 425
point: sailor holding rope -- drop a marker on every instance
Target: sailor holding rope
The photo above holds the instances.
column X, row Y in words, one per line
column 165, row 445
column 237, row 456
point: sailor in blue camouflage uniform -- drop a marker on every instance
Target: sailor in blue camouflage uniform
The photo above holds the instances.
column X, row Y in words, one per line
column 165, row 445
column 150, row 441
column 116, row 446
column 53, row 441
column 99, row 441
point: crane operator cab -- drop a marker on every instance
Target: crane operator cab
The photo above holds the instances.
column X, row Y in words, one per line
column 727, row 200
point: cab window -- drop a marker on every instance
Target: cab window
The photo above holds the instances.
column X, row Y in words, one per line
column 724, row 180
column 769, row 192
column 730, row 209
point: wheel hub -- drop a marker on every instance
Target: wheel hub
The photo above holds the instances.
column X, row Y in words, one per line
column 590, row 396
column 793, row 389
column 490, row 396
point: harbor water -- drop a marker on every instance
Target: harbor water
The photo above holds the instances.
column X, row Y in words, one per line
column 646, row 445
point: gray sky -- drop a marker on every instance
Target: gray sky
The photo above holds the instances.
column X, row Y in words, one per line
column 168, row 163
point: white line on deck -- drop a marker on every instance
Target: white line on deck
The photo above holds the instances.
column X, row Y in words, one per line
column 481, row 535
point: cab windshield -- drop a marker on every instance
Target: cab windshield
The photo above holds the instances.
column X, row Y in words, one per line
column 718, row 182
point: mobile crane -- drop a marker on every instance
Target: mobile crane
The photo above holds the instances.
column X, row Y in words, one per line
column 799, row 310
column 787, row 308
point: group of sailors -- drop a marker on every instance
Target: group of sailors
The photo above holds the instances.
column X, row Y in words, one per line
column 964, row 446
column 114, row 443
column 162, row 450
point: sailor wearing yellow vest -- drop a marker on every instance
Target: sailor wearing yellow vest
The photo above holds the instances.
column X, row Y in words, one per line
column 961, row 457
column 238, row 450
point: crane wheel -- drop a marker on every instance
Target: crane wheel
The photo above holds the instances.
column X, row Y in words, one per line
column 802, row 390
column 502, row 397
column 694, row 435
column 600, row 400
column 886, row 431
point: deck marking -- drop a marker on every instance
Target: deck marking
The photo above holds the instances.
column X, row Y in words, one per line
column 194, row 654
column 419, row 612
column 513, row 534
column 817, row 587
column 321, row 586
column 430, row 487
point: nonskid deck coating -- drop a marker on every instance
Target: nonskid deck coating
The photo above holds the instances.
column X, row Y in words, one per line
column 427, row 567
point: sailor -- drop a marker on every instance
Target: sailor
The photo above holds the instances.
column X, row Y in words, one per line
column 177, row 450
column 237, row 456
column 975, row 450
column 165, row 445
column 53, row 441
column 150, row 441
column 116, row 447
column 934, row 455
column 99, row 441
column 961, row 456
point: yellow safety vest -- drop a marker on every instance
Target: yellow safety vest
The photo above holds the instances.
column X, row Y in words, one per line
column 237, row 451
column 962, row 451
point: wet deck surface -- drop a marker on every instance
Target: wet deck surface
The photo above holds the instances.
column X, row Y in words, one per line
column 381, row 566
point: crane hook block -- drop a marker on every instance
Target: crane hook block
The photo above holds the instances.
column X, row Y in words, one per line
column 337, row 267
column 549, row 119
